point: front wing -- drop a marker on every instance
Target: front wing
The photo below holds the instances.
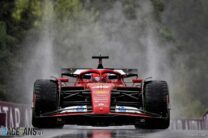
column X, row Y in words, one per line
column 83, row 117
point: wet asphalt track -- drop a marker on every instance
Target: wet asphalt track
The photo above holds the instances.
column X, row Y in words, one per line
column 118, row 132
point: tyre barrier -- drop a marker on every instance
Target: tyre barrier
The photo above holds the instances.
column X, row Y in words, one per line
column 19, row 115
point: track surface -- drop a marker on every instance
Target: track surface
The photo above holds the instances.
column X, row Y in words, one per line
column 118, row 132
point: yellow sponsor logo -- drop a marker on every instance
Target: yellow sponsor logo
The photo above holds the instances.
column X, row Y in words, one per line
column 100, row 92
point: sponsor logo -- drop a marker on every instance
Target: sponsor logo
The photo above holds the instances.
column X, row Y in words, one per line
column 122, row 109
column 81, row 108
column 101, row 104
column 101, row 86
column 16, row 115
column 100, row 92
column 127, row 109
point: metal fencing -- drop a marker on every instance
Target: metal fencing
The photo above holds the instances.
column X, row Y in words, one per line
column 19, row 115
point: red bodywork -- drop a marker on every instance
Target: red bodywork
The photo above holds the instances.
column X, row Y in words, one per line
column 100, row 97
column 101, row 92
column 101, row 89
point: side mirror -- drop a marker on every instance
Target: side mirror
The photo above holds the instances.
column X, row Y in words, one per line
column 63, row 79
column 137, row 80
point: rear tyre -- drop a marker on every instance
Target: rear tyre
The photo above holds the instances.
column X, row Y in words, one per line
column 156, row 97
column 45, row 100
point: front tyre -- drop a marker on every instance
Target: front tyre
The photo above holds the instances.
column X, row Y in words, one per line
column 156, row 96
column 45, row 100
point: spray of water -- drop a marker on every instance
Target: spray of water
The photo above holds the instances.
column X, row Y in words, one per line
column 41, row 62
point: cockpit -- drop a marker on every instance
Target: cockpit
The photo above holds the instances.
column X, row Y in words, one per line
column 100, row 76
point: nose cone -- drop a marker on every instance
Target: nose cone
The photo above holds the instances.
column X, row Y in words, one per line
column 101, row 96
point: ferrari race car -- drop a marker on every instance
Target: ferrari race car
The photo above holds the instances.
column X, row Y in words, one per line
column 100, row 97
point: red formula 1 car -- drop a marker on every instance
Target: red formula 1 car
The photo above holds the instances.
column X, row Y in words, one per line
column 100, row 97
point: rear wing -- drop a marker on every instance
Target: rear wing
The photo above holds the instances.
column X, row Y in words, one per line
column 74, row 72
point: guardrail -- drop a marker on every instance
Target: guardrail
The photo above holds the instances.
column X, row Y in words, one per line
column 19, row 115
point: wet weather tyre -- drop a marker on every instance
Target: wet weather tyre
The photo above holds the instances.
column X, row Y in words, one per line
column 45, row 100
column 156, row 96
